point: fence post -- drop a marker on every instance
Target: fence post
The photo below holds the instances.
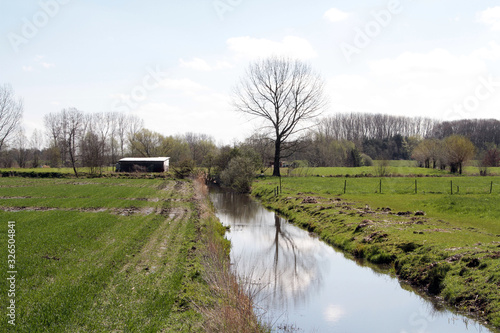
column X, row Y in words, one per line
column 345, row 185
column 451, row 186
column 491, row 187
column 416, row 186
column 380, row 187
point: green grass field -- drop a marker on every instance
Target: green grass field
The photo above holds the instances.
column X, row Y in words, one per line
column 451, row 251
column 393, row 168
column 61, row 170
column 98, row 255
column 107, row 255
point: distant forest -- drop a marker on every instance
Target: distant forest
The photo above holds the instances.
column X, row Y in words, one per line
column 72, row 138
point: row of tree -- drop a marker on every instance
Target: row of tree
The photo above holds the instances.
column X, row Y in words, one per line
column 76, row 139
column 94, row 140
column 453, row 151
column 357, row 127
column 288, row 96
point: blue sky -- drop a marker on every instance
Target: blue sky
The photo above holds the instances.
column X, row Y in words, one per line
column 174, row 63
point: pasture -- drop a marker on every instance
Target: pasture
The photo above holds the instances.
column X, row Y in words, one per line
column 398, row 168
column 109, row 255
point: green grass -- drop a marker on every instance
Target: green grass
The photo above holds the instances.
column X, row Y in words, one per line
column 60, row 170
column 107, row 269
column 366, row 171
column 394, row 168
column 451, row 251
column 392, row 185
column 85, row 193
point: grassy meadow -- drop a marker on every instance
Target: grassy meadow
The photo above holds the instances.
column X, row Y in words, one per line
column 115, row 255
column 382, row 168
column 447, row 244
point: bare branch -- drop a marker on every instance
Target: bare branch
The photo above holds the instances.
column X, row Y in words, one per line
column 285, row 93
column 11, row 113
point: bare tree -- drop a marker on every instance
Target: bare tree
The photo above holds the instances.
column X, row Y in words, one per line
column 200, row 145
column 263, row 146
column 113, row 118
column 64, row 131
column 91, row 151
column 285, row 93
column 21, row 155
column 122, row 123
column 36, row 143
column 56, row 133
column 102, row 126
column 11, row 113
column 74, row 120
column 134, row 125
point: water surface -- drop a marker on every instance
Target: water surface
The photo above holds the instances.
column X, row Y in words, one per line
column 303, row 283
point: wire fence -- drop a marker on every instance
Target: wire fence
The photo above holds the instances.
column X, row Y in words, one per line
column 400, row 185
column 420, row 186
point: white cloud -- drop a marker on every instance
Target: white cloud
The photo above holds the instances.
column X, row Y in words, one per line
column 187, row 86
column 48, row 65
column 196, row 64
column 27, row 68
column 201, row 65
column 39, row 60
column 336, row 15
column 207, row 113
column 492, row 52
column 290, row 46
column 417, row 84
column 333, row 313
column 490, row 17
column 438, row 62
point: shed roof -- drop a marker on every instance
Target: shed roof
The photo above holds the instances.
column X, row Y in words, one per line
column 144, row 159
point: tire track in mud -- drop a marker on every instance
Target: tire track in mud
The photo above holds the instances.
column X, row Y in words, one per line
column 146, row 284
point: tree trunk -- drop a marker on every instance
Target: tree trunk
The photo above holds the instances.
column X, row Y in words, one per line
column 72, row 155
column 277, row 153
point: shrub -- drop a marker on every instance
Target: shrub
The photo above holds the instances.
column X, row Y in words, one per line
column 184, row 168
column 366, row 160
column 239, row 174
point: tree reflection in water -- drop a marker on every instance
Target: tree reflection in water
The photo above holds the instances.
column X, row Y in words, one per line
column 281, row 265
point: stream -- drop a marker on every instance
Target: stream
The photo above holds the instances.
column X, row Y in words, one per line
column 301, row 284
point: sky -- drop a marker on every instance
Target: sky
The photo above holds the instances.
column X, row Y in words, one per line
column 175, row 63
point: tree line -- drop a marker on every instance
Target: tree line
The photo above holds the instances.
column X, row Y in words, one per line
column 288, row 96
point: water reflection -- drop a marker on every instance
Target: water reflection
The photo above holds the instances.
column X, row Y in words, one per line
column 301, row 280
column 283, row 260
